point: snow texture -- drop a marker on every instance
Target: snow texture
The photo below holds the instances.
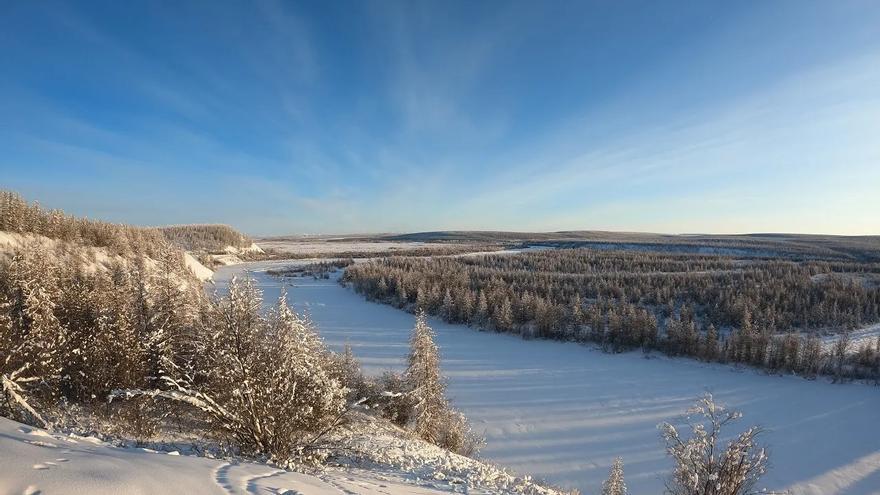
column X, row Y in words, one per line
column 36, row 461
column 201, row 272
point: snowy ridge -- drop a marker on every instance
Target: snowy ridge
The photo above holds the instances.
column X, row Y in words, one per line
column 253, row 248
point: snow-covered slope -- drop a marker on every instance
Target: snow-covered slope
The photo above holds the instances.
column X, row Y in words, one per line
column 33, row 461
column 201, row 272
column 36, row 461
column 253, row 248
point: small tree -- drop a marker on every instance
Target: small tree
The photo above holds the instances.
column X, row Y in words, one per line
column 840, row 349
column 431, row 417
column 426, row 382
column 701, row 467
column 615, row 485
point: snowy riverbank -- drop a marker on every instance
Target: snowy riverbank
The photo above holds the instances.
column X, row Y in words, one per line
column 563, row 411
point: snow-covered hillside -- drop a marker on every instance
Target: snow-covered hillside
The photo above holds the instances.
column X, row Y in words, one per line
column 34, row 460
column 563, row 412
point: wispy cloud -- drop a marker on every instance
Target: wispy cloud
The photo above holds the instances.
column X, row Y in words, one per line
column 416, row 116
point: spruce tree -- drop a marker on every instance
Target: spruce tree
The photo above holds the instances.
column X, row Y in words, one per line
column 710, row 344
column 504, row 315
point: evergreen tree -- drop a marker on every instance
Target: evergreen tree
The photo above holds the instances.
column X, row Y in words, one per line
column 481, row 310
column 710, row 344
column 503, row 316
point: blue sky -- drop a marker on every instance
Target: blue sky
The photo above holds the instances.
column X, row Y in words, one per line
column 369, row 116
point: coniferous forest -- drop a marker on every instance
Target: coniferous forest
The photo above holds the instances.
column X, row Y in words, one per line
column 766, row 312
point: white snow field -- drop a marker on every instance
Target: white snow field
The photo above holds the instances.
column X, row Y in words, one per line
column 563, row 412
column 34, row 461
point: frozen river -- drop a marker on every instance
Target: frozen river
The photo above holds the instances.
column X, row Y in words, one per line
column 563, row 412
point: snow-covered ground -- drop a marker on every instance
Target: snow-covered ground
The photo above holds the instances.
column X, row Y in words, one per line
column 857, row 338
column 564, row 411
column 34, row 461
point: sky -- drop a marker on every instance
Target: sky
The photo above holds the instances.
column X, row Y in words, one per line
column 281, row 117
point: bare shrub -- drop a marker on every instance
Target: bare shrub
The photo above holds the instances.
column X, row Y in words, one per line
column 137, row 419
column 701, row 466
column 456, row 434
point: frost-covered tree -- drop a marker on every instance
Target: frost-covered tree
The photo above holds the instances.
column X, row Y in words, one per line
column 481, row 310
column 840, row 351
column 32, row 339
column 428, row 412
column 710, row 344
column 615, row 484
column 702, row 466
column 264, row 382
column 427, row 389
column 503, row 316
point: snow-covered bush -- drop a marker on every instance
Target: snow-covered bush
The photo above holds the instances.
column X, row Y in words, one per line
column 388, row 395
column 263, row 383
column 346, row 369
column 457, row 435
column 136, row 418
column 702, row 467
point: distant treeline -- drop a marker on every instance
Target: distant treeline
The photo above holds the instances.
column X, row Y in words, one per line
column 712, row 307
column 205, row 238
column 429, row 249
column 317, row 270
column 795, row 246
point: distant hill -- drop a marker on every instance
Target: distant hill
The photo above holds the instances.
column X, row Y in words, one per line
column 831, row 247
